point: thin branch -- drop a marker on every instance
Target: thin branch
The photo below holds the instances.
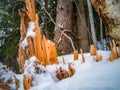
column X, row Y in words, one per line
column 50, row 17
column 69, row 39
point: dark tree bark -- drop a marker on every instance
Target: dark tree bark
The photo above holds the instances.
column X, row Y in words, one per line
column 64, row 24
column 82, row 28
column 109, row 11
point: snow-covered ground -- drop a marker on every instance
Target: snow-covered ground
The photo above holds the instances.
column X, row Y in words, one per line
column 90, row 75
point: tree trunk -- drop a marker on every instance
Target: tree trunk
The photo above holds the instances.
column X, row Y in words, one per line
column 92, row 23
column 64, row 24
column 109, row 11
column 82, row 28
column 33, row 44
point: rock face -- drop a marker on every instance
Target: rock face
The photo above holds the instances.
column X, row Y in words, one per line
column 109, row 11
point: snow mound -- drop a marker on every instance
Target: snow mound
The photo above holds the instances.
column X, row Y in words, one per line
column 90, row 75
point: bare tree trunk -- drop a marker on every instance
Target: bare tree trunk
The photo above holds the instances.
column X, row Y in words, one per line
column 82, row 28
column 92, row 23
column 33, row 44
column 64, row 24
column 109, row 11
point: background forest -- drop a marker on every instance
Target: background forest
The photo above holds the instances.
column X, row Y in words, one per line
column 71, row 24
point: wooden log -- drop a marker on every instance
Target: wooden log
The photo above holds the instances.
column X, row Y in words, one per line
column 30, row 9
column 75, row 55
column 38, row 42
column 65, row 74
column 118, row 51
column 51, row 52
column 27, row 82
column 27, row 51
column 24, row 23
column 44, row 42
column 113, row 54
column 36, row 46
column 59, row 74
column 21, row 59
column 71, row 70
column 30, row 48
column 23, row 27
column 16, row 81
column 98, row 58
column 37, row 38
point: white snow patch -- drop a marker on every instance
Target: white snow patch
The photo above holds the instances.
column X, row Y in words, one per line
column 6, row 75
column 20, row 78
column 90, row 75
column 24, row 43
column 30, row 33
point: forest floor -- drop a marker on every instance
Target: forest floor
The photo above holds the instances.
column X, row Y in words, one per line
column 4, row 86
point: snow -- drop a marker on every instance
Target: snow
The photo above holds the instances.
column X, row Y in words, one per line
column 29, row 66
column 30, row 33
column 6, row 75
column 20, row 78
column 90, row 75
column 24, row 43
